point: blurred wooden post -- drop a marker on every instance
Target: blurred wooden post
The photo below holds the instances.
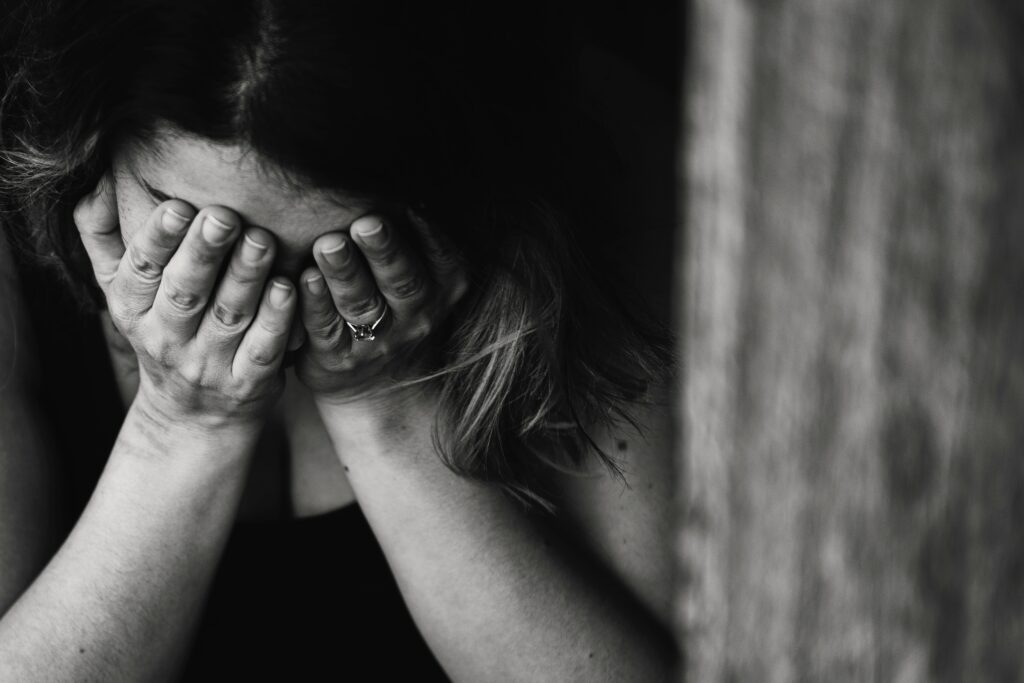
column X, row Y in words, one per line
column 853, row 340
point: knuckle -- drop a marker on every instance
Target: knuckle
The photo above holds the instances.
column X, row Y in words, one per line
column 245, row 276
column 143, row 266
column 228, row 316
column 260, row 355
column 181, row 299
column 419, row 328
column 118, row 310
column 327, row 327
column 406, row 287
column 447, row 262
column 442, row 253
column 272, row 325
column 201, row 255
column 105, row 278
column 388, row 255
column 123, row 310
column 154, row 350
column 437, row 257
column 245, row 388
column 192, row 371
column 345, row 276
column 363, row 307
column 163, row 353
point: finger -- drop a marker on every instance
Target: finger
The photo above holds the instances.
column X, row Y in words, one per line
column 263, row 345
column 444, row 261
column 95, row 216
column 188, row 279
column 325, row 329
column 238, row 295
column 399, row 274
column 148, row 253
column 349, row 281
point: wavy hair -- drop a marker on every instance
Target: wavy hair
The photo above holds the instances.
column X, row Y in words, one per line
column 475, row 120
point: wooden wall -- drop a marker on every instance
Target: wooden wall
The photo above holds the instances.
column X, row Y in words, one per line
column 852, row 329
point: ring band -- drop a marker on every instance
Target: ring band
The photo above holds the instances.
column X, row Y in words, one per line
column 366, row 332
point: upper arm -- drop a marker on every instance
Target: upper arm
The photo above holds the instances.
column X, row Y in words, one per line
column 628, row 524
column 29, row 520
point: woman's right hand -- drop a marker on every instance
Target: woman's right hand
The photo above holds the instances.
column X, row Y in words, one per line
column 209, row 351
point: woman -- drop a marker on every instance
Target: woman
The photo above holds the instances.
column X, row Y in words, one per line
column 354, row 235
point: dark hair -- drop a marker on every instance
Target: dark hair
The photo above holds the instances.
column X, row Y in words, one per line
column 471, row 115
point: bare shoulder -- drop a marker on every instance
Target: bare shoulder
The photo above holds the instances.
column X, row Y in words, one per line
column 627, row 521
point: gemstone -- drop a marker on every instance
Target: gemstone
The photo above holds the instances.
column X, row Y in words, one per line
column 362, row 333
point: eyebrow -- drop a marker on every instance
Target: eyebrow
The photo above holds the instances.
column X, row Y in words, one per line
column 153, row 192
column 161, row 196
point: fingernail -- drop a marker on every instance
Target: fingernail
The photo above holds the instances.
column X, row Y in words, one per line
column 336, row 254
column 216, row 231
column 315, row 284
column 251, row 249
column 173, row 220
column 279, row 293
column 374, row 236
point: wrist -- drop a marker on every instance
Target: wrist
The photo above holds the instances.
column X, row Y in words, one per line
column 377, row 407
column 373, row 398
column 386, row 424
column 150, row 430
column 208, row 421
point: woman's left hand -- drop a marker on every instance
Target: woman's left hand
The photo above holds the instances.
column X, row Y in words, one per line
column 371, row 302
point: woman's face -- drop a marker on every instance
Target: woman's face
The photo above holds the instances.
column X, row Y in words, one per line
column 203, row 173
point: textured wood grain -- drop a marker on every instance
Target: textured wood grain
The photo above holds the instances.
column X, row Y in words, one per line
column 853, row 340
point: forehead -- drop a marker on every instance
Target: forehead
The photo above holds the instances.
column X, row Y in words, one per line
column 204, row 173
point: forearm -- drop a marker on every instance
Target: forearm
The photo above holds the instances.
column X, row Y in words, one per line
column 498, row 594
column 122, row 595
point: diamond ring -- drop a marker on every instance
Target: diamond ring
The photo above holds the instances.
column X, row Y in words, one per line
column 366, row 332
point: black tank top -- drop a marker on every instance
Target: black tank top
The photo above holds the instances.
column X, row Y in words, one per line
column 305, row 599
